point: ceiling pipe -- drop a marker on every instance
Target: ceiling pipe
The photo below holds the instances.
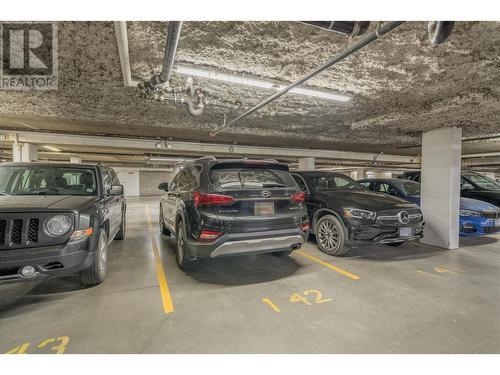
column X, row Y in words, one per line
column 440, row 31
column 173, row 35
column 349, row 28
column 380, row 31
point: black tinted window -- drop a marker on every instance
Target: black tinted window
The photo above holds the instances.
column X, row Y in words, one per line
column 300, row 181
column 106, row 180
column 251, row 178
column 334, row 182
column 47, row 180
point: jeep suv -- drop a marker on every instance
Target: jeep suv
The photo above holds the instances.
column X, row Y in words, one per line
column 58, row 219
column 344, row 214
column 216, row 208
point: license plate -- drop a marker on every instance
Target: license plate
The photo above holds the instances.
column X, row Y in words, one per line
column 405, row 232
column 264, row 208
column 497, row 222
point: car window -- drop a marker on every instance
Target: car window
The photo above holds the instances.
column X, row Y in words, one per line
column 411, row 188
column 191, row 177
column 366, row 185
column 47, row 180
column 114, row 177
column 300, row 182
column 106, row 180
column 250, row 178
column 175, row 182
column 482, row 181
column 334, row 182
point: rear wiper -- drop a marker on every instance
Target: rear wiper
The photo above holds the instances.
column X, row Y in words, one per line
column 273, row 184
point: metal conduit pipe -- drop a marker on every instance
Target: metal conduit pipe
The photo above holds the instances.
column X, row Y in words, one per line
column 350, row 28
column 173, row 34
column 440, row 31
column 382, row 30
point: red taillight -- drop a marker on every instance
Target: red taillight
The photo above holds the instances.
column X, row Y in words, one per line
column 211, row 199
column 298, row 197
column 305, row 227
column 209, row 235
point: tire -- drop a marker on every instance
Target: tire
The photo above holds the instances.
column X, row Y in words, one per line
column 123, row 227
column 396, row 244
column 331, row 236
column 282, row 253
column 180, row 254
column 163, row 228
column 96, row 273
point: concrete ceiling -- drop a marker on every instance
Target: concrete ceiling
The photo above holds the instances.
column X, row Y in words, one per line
column 400, row 86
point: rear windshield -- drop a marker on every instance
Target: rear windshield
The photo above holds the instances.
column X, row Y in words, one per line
column 250, row 178
column 412, row 188
column 47, row 180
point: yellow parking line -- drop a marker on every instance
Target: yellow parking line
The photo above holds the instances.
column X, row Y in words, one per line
column 168, row 305
column 328, row 265
column 429, row 274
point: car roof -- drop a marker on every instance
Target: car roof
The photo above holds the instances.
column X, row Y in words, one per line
column 318, row 173
column 393, row 180
column 73, row 165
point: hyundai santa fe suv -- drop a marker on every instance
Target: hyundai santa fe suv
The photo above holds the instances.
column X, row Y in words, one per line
column 216, row 208
column 343, row 214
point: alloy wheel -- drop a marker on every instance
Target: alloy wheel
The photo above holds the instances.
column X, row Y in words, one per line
column 328, row 235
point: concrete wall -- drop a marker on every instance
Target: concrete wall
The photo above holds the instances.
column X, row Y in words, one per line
column 129, row 177
column 149, row 180
column 142, row 182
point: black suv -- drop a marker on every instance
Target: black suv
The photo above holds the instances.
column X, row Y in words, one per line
column 472, row 185
column 344, row 214
column 58, row 219
column 228, row 207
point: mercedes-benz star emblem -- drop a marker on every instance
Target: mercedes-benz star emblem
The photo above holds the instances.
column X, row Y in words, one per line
column 403, row 217
column 265, row 193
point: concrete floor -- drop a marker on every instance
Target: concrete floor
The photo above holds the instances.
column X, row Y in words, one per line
column 414, row 299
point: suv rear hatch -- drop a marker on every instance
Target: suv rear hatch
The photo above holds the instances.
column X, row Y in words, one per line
column 265, row 196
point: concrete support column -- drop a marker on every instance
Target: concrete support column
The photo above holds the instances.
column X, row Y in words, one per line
column 306, row 164
column 75, row 159
column 440, row 189
column 360, row 173
column 24, row 152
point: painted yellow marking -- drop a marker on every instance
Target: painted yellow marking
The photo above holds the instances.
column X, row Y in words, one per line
column 295, row 297
column 319, row 296
column 59, row 349
column 168, row 305
column 442, row 270
column 429, row 274
column 21, row 349
column 272, row 305
column 328, row 265
column 455, row 269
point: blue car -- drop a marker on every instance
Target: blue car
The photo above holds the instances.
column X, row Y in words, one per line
column 476, row 217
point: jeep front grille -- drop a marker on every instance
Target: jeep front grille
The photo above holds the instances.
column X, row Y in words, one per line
column 25, row 230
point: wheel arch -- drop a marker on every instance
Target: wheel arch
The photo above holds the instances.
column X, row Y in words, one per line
column 322, row 212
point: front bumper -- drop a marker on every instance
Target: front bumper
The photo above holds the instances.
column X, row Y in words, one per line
column 477, row 226
column 248, row 243
column 48, row 261
column 372, row 234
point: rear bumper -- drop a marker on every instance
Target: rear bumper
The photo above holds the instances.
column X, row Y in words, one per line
column 48, row 261
column 248, row 243
column 477, row 226
column 380, row 234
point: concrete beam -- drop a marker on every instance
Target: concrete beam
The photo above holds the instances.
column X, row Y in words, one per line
column 75, row 159
column 306, row 164
column 178, row 147
column 24, row 152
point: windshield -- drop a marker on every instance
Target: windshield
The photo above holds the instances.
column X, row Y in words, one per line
column 483, row 181
column 47, row 180
column 412, row 188
column 334, row 182
column 251, row 178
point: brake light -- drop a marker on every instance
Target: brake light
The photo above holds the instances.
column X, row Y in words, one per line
column 211, row 199
column 298, row 197
column 209, row 235
column 305, row 227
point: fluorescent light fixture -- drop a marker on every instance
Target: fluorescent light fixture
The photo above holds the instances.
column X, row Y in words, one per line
column 246, row 80
column 51, row 148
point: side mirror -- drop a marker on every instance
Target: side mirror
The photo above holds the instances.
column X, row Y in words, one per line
column 116, row 190
column 163, row 186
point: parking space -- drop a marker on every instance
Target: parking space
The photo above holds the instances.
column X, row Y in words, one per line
column 411, row 299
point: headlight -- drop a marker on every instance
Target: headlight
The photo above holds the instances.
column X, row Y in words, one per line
column 470, row 213
column 58, row 225
column 359, row 214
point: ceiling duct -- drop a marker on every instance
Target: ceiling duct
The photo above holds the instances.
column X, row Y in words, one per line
column 349, row 28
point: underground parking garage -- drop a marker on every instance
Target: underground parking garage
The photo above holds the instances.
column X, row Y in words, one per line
column 250, row 187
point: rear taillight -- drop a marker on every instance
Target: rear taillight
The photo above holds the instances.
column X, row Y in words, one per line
column 209, row 235
column 211, row 199
column 298, row 197
column 305, row 227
